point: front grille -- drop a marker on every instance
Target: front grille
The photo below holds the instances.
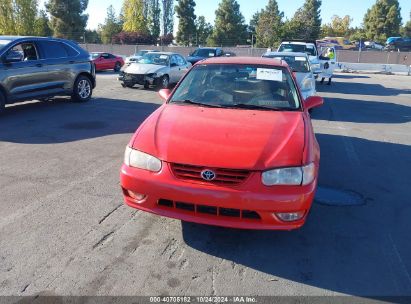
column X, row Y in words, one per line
column 223, row 176
column 134, row 77
column 210, row 210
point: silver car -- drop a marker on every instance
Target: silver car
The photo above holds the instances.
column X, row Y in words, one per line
column 158, row 69
column 300, row 66
column 137, row 56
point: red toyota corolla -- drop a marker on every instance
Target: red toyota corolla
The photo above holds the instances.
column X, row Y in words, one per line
column 232, row 146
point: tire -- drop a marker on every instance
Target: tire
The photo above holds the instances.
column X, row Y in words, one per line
column 117, row 67
column 2, row 103
column 163, row 82
column 82, row 90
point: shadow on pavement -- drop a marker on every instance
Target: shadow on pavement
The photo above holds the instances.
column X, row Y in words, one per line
column 362, row 111
column 362, row 250
column 60, row 120
column 349, row 76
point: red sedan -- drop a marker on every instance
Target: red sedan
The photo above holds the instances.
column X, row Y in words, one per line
column 232, row 146
column 107, row 61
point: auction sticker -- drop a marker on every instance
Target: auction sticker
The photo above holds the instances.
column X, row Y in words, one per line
column 269, row 74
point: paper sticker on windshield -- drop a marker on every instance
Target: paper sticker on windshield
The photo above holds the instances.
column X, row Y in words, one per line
column 163, row 56
column 210, row 54
column 309, row 46
column 299, row 58
column 269, row 74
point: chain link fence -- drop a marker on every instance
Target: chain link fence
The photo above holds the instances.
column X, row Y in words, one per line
column 369, row 56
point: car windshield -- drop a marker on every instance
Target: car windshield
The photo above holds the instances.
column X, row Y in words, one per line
column 3, row 43
column 154, row 58
column 297, row 64
column 260, row 87
column 298, row 48
column 203, row 53
column 95, row 55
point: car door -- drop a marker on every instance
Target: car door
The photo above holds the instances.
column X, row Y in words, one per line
column 60, row 62
column 175, row 70
column 183, row 66
column 104, row 61
column 27, row 75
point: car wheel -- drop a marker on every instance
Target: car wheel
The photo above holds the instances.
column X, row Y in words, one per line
column 82, row 90
column 2, row 103
column 117, row 67
column 164, row 82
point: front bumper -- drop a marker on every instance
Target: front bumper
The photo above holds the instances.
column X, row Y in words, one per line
column 208, row 204
column 137, row 79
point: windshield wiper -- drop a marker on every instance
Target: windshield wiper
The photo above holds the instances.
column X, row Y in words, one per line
column 197, row 103
column 257, row 107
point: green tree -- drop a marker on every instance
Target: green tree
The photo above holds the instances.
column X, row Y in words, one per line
column 25, row 12
column 203, row 30
column 92, row 36
column 306, row 22
column 134, row 19
column 406, row 30
column 111, row 26
column 186, row 21
column 7, row 21
column 153, row 12
column 67, row 18
column 383, row 20
column 230, row 28
column 270, row 25
column 339, row 27
column 167, row 17
column 42, row 27
column 18, row 17
column 254, row 21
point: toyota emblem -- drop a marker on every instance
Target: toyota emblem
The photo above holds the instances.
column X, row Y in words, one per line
column 208, row 175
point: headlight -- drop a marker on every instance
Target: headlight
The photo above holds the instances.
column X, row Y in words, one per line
column 289, row 176
column 306, row 84
column 141, row 160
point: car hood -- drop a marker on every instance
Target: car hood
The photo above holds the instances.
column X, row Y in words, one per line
column 223, row 138
column 143, row 68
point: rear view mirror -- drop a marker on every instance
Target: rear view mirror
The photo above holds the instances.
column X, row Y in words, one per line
column 313, row 102
column 164, row 94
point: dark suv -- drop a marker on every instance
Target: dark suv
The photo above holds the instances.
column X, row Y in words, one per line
column 39, row 68
column 204, row 53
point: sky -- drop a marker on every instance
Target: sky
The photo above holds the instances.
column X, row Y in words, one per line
column 355, row 8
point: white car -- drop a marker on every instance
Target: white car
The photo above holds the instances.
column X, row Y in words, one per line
column 300, row 66
column 137, row 56
column 157, row 68
column 308, row 47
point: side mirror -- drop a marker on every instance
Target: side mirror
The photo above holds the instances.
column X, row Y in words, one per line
column 164, row 94
column 13, row 57
column 173, row 64
column 313, row 102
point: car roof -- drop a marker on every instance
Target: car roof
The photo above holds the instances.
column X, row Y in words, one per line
column 165, row 53
column 295, row 54
column 244, row 60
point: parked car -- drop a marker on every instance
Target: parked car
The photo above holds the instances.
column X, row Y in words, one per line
column 203, row 53
column 398, row 44
column 107, row 61
column 343, row 43
column 232, row 146
column 137, row 56
column 37, row 68
column 373, row 45
column 159, row 69
column 300, row 66
column 302, row 46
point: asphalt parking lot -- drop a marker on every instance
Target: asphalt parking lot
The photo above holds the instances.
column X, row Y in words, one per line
column 65, row 231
